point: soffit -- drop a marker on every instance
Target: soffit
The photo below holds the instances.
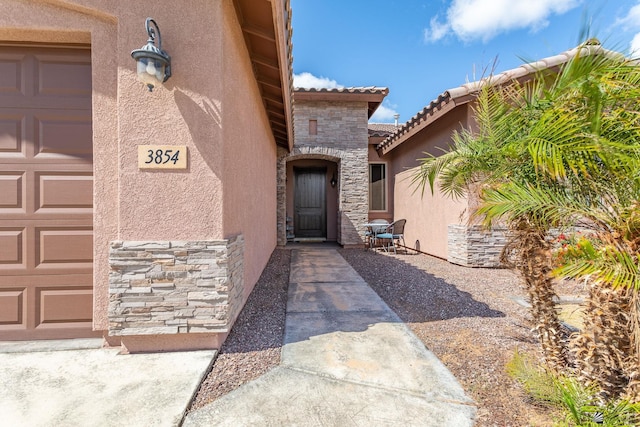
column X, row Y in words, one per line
column 266, row 26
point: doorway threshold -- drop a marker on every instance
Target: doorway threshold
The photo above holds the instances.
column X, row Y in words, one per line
column 310, row 239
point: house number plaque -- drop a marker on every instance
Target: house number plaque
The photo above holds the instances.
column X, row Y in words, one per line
column 162, row 156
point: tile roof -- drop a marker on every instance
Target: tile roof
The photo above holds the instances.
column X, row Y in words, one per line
column 371, row 94
column 460, row 95
column 382, row 129
column 365, row 90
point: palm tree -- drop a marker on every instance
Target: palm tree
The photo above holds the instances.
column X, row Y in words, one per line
column 593, row 136
column 561, row 151
column 487, row 160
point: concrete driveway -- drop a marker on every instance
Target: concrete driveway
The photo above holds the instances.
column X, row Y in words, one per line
column 77, row 383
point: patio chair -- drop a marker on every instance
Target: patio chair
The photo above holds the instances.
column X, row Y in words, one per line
column 398, row 232
column 393, row 232
column 385, row 236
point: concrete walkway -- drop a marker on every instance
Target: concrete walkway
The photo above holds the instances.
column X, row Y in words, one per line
column 347, row 360
column 76, row 383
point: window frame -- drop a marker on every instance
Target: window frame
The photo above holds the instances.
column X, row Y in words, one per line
column 385, row 186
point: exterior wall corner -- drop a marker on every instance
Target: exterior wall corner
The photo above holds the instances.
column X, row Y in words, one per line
column 473, row 246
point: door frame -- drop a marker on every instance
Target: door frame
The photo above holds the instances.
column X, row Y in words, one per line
column 319, row 171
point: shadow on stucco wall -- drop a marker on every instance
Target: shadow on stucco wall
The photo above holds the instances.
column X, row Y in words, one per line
column 204, row 119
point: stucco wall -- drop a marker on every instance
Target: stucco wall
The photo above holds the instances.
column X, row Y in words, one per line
column 428, row 216
column 211, row 104
column 248, row 156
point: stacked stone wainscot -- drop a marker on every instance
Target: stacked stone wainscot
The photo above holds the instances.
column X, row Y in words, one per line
column 474, row 246
column 174, row 287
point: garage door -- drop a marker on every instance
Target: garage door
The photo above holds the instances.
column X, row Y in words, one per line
column 46, row 192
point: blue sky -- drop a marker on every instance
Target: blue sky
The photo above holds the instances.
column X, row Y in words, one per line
column 420, row 48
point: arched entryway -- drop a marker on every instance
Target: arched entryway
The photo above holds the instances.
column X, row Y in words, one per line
column 347, row 200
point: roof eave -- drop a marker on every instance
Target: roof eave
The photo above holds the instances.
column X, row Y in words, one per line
column 268, row 42
column 406, row 132
column 285, row 58
column 460, row 95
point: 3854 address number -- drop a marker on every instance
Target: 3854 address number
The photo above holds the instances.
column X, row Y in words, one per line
column 162, row 157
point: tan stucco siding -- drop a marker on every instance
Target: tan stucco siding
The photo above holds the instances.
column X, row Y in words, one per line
column 428, row 216
column 172, row 205
column 211, row 104
column 248, row 156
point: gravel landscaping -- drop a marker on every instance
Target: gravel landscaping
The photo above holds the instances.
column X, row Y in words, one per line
column 465, row 316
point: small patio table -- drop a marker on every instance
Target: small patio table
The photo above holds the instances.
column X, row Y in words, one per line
column 372, row 229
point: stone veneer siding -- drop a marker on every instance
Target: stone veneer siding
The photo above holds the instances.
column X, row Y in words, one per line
column 473, row 246
column 174, row 287
column 342, row 137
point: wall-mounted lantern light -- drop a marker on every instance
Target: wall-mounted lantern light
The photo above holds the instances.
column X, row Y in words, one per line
column 333, row 181
column 153, row 63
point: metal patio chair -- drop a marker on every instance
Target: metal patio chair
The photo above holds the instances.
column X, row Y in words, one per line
column 393, row 232
column 398, row 232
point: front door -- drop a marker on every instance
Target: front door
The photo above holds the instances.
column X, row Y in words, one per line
column 310, row 203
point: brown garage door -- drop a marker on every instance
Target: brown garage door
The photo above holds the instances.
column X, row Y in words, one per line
column 46, row 192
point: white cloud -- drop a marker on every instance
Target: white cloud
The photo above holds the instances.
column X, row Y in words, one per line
column 634, row 48
column 308, row 80
column 484, row 19
column 631, row 22
column 383, row 114
column 436, row 30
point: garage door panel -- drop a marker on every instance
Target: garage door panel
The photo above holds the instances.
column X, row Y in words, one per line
column 12, row 135
column 28, row 307
column 64, row 248
column 12, row 248
column 64, row 306
column 59, row 136
column 63, row 76
column 12, row 308
column 11, row 74
column 11, row 192
column 66, row 191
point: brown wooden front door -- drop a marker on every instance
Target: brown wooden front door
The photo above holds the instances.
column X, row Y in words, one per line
column 310, row 203
column 46, row 193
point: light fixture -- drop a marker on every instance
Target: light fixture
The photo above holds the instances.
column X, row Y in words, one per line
column 153, row 63
column 333, row 181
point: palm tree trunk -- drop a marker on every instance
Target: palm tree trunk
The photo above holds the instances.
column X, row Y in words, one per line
column 632, row 366
column 533, row 261
column 604, row 350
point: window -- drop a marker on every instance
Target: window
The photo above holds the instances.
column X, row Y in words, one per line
column 313, row 127
column 377, row 187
